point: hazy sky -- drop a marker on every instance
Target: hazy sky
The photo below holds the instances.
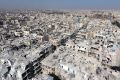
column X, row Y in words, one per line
column 60, row 4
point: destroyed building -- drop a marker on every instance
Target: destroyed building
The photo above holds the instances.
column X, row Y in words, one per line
column 55, row 45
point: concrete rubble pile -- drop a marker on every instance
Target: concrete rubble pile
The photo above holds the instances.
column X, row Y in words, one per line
column 59, row 45
column 24, row 34
column 92, row 55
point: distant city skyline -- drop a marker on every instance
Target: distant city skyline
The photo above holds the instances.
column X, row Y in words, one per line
column 61, row 4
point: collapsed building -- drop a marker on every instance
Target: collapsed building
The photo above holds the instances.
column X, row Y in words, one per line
column 58, row 46
column 99, row 54
column 26, row 65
